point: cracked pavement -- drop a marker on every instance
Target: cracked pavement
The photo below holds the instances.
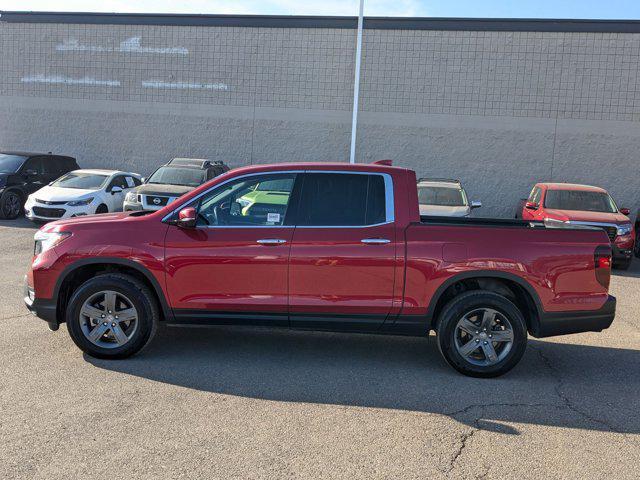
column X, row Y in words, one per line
column 224, row 403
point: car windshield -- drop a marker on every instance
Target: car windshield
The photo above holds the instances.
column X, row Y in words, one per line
column 580, row 200
column 80, row 180
column 189, row 177
column 10, row 163
column 281, row 185
column 442, row 196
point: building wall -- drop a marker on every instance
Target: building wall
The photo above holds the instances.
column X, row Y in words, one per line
column 500, row 110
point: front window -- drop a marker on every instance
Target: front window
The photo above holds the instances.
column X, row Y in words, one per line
column 260, row 200
column 81, row 180
column 188, row 177
column 441, row 196
column 580, row 200
column 10, row 163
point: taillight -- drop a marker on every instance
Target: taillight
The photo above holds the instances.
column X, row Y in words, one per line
column 602, row 261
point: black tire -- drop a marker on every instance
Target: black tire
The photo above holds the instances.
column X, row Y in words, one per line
column 140, row 297
column 102, row 208
column 471, row 301
column 11, row 205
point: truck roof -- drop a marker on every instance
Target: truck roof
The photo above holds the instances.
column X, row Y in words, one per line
column 338, row 166
column 572, row 186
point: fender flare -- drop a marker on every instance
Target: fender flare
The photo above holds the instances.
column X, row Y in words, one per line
column 488, row 274
column 157, row 288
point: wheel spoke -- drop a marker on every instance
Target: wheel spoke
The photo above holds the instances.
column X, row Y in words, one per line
column 91, row 312
column 110, row 301
column 468, row 348
column 97, row 333
column 468, row 326
column 119, row 334
column 487, row 319
column 502, row 336
column 127, row 315
column 489, row 351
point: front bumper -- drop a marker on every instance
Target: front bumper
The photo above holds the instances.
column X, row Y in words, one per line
column 43, row 308
column 67, row 211
column 564, row 323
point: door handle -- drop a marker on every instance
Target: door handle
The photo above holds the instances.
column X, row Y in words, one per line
column 271, row 241
column 375, row 241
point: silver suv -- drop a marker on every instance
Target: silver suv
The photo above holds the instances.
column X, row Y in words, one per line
column 441, row 197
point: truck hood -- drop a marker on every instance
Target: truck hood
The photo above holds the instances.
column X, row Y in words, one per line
column 443, row 211
column 102, row 219
column 59, row 194
column 163, row 189
column 585, row 216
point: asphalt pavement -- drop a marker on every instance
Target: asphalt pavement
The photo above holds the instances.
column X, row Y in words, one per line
column 261, row 403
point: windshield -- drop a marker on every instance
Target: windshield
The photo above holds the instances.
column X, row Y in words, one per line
column 281, row 185
column 80, row 180
column 580, row 200
column 10, row 163
column 188, row 177
column 443, row 196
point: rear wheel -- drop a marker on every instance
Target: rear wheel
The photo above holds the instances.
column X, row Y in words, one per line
column 481, row 334
column 10, row 205
column 112, row 316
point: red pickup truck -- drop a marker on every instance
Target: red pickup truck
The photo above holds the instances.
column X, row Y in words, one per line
column 574, row 204
column 324, row 247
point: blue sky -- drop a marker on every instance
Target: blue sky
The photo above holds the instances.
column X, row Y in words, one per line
column 609, row 9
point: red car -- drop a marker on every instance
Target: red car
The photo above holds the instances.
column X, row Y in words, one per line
column 584, row 205
column 324, row 247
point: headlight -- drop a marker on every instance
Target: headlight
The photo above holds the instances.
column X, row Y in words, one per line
column 624, row 229
column 131, row 197
column 78, row 203
column 47, row 240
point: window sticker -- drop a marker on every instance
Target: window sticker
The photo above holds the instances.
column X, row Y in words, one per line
column 273, row 217
column 130, row 182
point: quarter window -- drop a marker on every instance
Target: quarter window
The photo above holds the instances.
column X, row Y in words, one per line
column 342, row 199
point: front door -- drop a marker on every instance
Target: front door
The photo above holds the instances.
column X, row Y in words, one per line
column 343, row 253
column 232, row 268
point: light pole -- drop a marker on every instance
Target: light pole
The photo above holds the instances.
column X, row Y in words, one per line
column 356, row 86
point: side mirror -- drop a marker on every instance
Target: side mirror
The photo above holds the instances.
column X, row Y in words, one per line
column 116, row 189
column 625, row 211
column 531, row 205
column 475, row 204
column 143, row 179
column 187, row 217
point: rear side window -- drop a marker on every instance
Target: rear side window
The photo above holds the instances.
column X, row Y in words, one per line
column 337, row 199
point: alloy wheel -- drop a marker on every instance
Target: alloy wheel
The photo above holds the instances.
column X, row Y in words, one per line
column 11, row 206
column 483, row 337
column 108, row 319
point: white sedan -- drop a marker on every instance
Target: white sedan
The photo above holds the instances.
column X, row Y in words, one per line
column 81, row 192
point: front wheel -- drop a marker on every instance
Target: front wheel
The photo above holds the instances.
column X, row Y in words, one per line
column 10, row 205
column 481, row 334
column 112, row 316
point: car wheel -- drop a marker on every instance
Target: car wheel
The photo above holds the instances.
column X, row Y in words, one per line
column 102, row 208
column 10, row 205
column 481, row 334
column 112, row 316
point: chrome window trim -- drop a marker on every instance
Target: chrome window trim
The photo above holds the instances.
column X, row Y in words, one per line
column 592, row 224
column 388, row 192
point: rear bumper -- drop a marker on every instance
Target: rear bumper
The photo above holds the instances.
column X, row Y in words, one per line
column 563, row 323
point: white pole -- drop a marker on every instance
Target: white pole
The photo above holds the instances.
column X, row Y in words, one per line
column 356, row 86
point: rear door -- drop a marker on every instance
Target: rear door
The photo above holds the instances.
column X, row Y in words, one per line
column 343, row 252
